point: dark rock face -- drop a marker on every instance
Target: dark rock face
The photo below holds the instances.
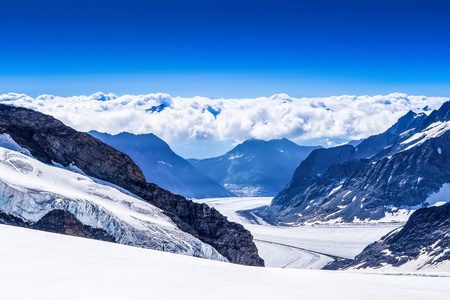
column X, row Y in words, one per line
column 312, row 168
column 49, row 140
column 60, row 221
column 392, row 170
column 426, row 233
column 162, row 166
column 255, row 167
column 8, row 219
column 205, row 223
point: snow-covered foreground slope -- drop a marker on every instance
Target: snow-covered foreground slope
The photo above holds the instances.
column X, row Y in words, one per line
column 30, row 189
column 41, row 265
column 299, row 247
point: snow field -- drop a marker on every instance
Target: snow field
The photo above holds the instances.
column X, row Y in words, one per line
column 41, row 265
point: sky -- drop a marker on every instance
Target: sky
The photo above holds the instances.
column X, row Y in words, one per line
column 225, row 49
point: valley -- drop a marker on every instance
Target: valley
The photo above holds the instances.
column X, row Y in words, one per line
column 302, row 247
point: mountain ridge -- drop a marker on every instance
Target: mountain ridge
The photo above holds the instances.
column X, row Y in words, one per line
column 162, row 166
column 389, row 174
column 255, row 167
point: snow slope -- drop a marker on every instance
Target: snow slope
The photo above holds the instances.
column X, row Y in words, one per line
column 41, row 265
column 299, row 247
column 30, row 189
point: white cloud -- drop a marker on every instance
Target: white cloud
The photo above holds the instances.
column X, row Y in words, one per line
column 304, row 120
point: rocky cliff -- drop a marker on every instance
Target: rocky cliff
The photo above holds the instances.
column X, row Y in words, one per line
column 423, row 243
column 50, row 141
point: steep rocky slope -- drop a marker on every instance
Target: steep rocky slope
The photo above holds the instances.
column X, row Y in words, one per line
column 383, row 178
column 422, row 244
column 162, row 166
column 50, row 141
column 255, row 167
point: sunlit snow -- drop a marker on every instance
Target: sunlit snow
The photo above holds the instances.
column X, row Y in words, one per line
column 30, row 189
column 41, row 265
column 432, row 131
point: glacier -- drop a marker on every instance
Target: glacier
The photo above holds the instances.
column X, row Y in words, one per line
column 30, row 189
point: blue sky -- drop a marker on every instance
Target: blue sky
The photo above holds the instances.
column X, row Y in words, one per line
column 225, row 48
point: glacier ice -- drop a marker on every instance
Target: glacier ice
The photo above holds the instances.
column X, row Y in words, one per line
column 30, row 189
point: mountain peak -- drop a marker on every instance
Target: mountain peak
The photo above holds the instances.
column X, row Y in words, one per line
column 408, row 121
column 255, row 167
column 440, row 115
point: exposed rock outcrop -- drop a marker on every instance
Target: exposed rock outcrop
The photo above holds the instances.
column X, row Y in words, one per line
column 8, row 219
column 50, row 141
column 423, row 243
column 59, row 221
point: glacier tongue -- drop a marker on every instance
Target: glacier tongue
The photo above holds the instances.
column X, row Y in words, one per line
column 30, row 189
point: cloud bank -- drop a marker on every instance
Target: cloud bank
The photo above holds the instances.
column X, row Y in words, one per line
column 178, row 120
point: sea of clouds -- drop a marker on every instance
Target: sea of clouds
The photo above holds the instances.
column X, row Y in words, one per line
column 178, row 120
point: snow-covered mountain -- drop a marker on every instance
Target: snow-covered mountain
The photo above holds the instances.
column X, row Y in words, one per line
column 384, row 178
column 255, row 167
column 31, row 191
column 423, row 244
column 51, row 142
column 162, row 166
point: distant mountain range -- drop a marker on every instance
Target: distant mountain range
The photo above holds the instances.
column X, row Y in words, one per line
column 162, row 166
column 384, row 176
column 255, row 167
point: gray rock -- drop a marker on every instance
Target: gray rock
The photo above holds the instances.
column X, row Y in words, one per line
column 426, row 233
column 61, row 221
column 58, row 221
